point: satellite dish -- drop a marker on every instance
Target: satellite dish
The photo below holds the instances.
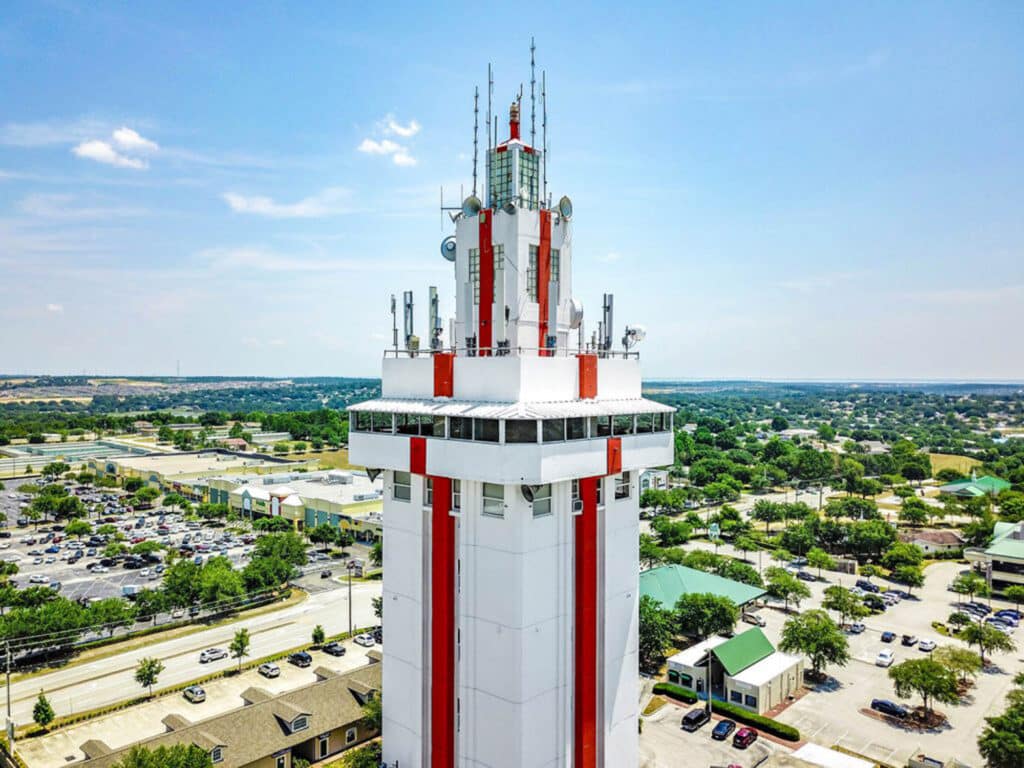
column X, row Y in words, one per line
column 448, row 248
column 575, row 313
column 509, row 208
column 471, row 206
column 528, row 492
column 634, row 335
column 565, row 207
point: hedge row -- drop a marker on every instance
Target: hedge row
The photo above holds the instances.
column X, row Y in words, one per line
column 745, row 716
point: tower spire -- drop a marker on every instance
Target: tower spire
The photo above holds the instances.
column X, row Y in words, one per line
column 533, row 100
column 476, row 129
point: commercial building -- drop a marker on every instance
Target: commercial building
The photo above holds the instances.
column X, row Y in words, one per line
column 511, row 503
column 654, row 479
column 269, row 731
column 667, row 583
column 934, row 541
column 346, row 500
column 1002, row 561
column 975, row 486
column 744, row 670
column 181, row 471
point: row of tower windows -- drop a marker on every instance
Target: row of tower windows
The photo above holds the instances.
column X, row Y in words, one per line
column 511, row 430
column 492, row 502
column 499, row 264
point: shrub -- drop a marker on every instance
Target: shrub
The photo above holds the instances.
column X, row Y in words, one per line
column 676, row 692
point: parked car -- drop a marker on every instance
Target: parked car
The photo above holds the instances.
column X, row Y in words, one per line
column 744, row 738
column 888, row 637
column 753, row 618
column 366, row 640
column 269, row 669
column 1007, row 620
column 195, row 694
column 212, row 654
column 890, row 598
column 926, row 646
column 885, row 658
column 325, row 574
column 177, row 613
column 334, row 649
column 723, row 729
column 857, row 627
column 1010, row 613
column 867, row 586
column 806, row 576
column 695, row 718
column 975, row 605
column 300, row 659
column 887, row 707
column 908, row 641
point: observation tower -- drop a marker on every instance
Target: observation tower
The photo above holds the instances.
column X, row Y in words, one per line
column 511, row 454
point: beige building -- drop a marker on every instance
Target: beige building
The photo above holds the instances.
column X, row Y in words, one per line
column 312, row 723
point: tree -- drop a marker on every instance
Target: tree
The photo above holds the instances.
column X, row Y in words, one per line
column 265, row 525
column 240, row 646
column 704, row 614
column 913, row 511
column 779, row 423
column 42, row 712
column 814, row 634
column 378, row 608
column 766, row 512
column 55, row 469
column 287, row 546
column 322, row 534
column 147, row 673
column 928, row 679
column 110, row 613
column 1016, row 594
column 958, row 620
column 175, row 756
column 219, row 582
column 845, row 603
column 910, row 575
column 970, row 584
column 377, row 553
column 783, row 585
column 819, row 558
column 174, row 500
column 655, row 633
column 960, row 661
column 987, row 638
column 319, row 635
column 650, row 552
column 1002, row 741
column 746, row 544
column 132, row 484
column 373, row 714
column 366, row 756
column 826, row 433
column 78, row 529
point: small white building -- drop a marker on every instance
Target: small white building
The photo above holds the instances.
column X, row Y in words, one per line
column 745, row 670
column 654, row 479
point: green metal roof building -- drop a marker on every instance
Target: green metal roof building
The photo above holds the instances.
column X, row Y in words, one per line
column 1003, row 560
column 667, row 583
column 975, row 486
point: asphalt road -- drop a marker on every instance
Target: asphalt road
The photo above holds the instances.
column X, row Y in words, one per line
column 110, row 680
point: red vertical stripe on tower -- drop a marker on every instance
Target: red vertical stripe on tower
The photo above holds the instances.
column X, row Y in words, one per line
column 543, row 278
column 588, row 376
column 614, row 465
column 486, row 333
column 444, row 374
column 442, row 630
column 585, row 651
column 418, row 455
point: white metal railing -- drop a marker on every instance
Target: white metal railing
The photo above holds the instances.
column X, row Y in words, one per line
column 513, row 352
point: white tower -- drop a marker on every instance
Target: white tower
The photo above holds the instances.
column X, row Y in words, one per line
column 511, row 464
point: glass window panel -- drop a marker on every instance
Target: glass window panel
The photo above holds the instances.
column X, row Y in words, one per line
column 622, row 483
column 601, row 426
column 556, row 265
column 474, row 273
column 402, row 490
column 575, row 428
column 439, row 430
column 427, row 425
column 382, row 422
column 531, row 273
column 460, row 428
column 485, row 430
column 520, row 431
column 407, row 424
column 493, row 500
column 456, row 494
column 645, row 422
column 363, row 421
column 542, row 501
column 623, row 425
column 553, row 430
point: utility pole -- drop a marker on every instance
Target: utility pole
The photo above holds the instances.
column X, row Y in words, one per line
column 10, row 721
column 348, row 567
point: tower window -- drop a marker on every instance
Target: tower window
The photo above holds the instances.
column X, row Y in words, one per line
column 402, row 489
column 456, row 494
column 460, row 428
column 382, row 422
column 428, row 492
column 500, row 187
column 520, row 431
column 531, row 273
column 575, row 428
column 494, row 500
column 485, row 430
column 542, row 501
column 556, row 265
column 474, row 267
column 623, row 425
column 622, row 486
column 554, row 430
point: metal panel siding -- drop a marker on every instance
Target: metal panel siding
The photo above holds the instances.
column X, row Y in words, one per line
column 588, row 376
column 585, row 671
column 614, row 455
column 442, row 631
column 418, row 455
column 444, row 374
column 543, row 279
column 485, row 335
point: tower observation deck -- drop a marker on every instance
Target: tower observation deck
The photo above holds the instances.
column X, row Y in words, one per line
column 511, row 459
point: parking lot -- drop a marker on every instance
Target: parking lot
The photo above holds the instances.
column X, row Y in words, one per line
column 664, row 744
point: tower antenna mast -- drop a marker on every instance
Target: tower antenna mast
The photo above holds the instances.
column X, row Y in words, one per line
column 476, row 130
column 533, row 99
column 544, row 132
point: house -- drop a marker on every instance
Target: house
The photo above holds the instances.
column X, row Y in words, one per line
column 744, row 670
column 1003, row 560
column 667, row 583
column 235, row 443
column 975, row 486
column 931, row 541
column 654, row 479
column 310, row 723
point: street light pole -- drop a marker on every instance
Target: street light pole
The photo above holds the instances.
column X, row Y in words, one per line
column 349, row 568
column 10, row 722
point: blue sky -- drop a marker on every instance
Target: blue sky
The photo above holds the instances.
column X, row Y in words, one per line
column 776, row 190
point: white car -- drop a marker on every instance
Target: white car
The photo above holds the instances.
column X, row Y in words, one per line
column 177, row 613
column 366, row 640
column 212, row 654
column 926, row 645
column 100, row 569
column 38, row 578
column 885, row 659
column 144, row 572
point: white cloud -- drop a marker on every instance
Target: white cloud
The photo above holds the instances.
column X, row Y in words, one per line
column 102, row 152
column 131, row 141
column 397, row 129
column 382, row 147
column 68, row 207
column 610, row 258
column 329, row 202
column 50, row 132
column 249, row 259
column 403, row 159
column 55, row 308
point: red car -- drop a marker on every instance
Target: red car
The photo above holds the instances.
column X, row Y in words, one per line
column 744, row 738
column 138, row 539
